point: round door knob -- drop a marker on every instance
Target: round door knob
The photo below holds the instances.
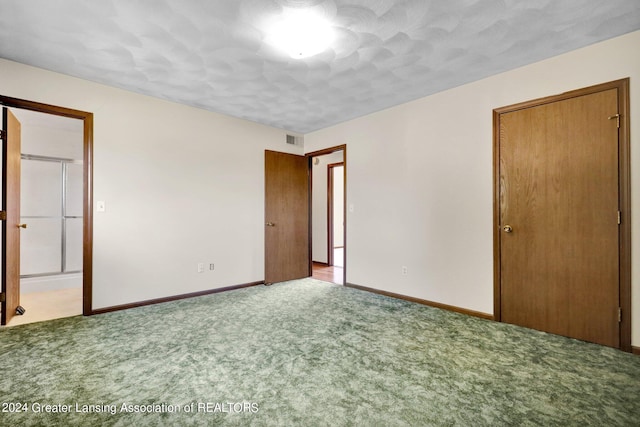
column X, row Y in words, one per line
column 22, row 225
column 507, row 228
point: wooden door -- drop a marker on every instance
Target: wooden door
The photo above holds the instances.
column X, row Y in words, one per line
column 11, row 205
column 559, row 217
column 286, row 217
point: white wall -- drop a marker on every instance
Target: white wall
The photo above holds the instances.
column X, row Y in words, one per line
column 338, row 206
column 319, row 205
column 49, row 135
column 181, row 186
column 429, row 204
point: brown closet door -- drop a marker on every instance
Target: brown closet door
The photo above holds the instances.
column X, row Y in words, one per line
column 559, row 202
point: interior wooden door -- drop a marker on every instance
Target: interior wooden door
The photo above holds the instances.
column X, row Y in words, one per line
column 286, row 217
column 559, row 217
column 11, row 205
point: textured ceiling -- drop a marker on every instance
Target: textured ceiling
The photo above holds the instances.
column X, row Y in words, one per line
column 212, row 53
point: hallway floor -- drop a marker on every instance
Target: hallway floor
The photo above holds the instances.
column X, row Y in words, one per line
column 327, row 273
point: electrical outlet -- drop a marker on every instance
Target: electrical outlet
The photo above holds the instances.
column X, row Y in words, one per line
column 200, row 267
column 211, row 266
column 405, row 270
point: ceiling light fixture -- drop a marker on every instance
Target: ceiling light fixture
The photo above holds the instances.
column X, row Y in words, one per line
column 301, row 33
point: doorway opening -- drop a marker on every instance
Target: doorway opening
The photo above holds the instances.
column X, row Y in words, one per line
column 335, row 214
column 328, row 228
column 54, row 203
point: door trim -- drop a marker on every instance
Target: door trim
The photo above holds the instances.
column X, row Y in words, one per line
column 310, row 156
column 624, row 171
column 87, row 244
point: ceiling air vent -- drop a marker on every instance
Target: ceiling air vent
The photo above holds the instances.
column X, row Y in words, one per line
column 295, row 140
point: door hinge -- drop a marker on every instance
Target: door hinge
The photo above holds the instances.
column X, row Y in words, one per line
column 3, row 134
column 619, row 217
column 3, row 215
column 3, row 297
column 617, row 117
column 619, row 314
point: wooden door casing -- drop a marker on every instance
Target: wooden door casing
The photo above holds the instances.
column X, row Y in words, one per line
column 322, row 152
column 87, row 232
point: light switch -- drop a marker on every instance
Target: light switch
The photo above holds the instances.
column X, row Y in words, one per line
column 101, row 206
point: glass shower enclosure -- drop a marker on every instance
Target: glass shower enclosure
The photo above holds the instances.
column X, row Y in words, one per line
column 51, row 206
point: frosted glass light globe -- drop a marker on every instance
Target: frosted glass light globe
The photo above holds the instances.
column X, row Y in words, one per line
column 301, row 33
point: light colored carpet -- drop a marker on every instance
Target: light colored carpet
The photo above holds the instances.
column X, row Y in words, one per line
column 310, row 353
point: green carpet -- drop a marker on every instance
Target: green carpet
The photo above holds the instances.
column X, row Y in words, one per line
column 307, row 353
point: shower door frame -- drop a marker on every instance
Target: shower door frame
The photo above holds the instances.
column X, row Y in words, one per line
column 63, row 213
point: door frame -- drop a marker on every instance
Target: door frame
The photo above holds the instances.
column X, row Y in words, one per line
column 330, row 204
column 87, row 228
column 310, row 156
column 624, row 202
